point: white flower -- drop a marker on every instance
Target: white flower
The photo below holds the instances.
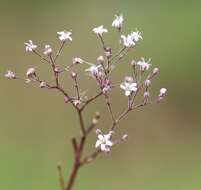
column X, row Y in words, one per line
column 128, row 87
column 31, row 72
column 48, row 50
column 10, row 75
column 104, row 141
column 77, row 60
column 64, row 36
column 162, row 91
column 128, row 41
column 136, row 36
column 100, row 30
column 118, row 22
column 30, row 46
column 144, row 66
column 93, row 69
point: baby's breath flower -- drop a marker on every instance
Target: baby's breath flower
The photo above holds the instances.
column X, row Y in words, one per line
column 47, row 50
column 93, row 70
column 155, row 71
column 128, row 87
column 118, row 22
column 10, row 75
column 128, row 41
column 104, row 141
column 29, row 46
column 100, row 30
column 136, row 36
column 144, row 66
column 64, row 36
column 31, row 72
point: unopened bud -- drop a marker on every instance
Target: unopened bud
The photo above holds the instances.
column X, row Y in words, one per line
column 66, row 99
column 31, row 72
column 98, row 131
column 133, row 62
column 155, row 71
column 100, row 60
column 108, row 52
column 73, row 75
column 77, row 60
column 147, row 83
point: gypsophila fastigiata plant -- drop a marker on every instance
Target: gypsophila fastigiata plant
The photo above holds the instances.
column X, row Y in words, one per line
column 133, row 85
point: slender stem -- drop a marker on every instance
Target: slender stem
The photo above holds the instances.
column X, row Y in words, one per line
column 59, row 51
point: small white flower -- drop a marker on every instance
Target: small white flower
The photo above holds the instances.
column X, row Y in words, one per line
column 100, row 30
column 77, row 102
column 128, row 41
column 162, row 91
column 162, row 94
column 104, row 141
column 118, row 22
column 48, row 50
column 77, row 60
column 155, row 71
column 31, row 72
column 128, row 87
column 147, row 82
column 10, row 75
column 93, row 70
column 144, row 66
column 29, row 46
column 64, row 36
column 136, row 36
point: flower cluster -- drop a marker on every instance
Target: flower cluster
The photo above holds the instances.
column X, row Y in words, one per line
column 136, row 83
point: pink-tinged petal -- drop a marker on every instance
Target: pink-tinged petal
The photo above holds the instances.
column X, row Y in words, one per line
column 103, row 147
column 127, row 93
column 101, row 137
column 98, row 143
column 109, row 143
column 107, row 136
column 122, row 86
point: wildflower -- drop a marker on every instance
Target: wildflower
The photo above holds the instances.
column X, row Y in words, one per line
column 118, row 22
column 10, row 75
column 136, row 36
column 128, row 87
column 48, row 50
column 128, row 41
column 30, row 46
column 100, row 60
column 104, row 141
column 93, row 70
column 31, row 72
column 77, row 60
column 64, row 36
column 100, row 30
column 162, row 94
column 144, row 66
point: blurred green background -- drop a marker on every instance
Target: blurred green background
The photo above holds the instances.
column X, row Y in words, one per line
column 163, row 151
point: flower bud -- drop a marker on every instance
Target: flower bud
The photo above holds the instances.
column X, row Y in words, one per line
column 31, row 72
column 147, row 83
column 66, row 99
column 77, row 60
column 155, row 71
column 146, row 96
column 48, row 50
column 100, row 60
column 162, row 94
column 73, row 75
column 108, row 52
